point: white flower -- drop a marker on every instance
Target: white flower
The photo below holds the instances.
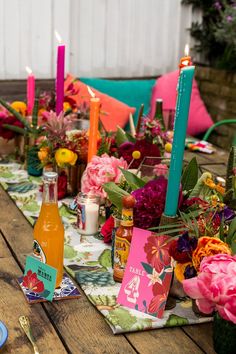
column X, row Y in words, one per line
column 154, row 277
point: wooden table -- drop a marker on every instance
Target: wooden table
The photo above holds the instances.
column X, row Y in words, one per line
column 75, row 326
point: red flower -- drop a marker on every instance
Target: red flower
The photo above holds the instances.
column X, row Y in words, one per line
column 156, row 303
column 144, row 147
column 157, row 251
column 11, row 120
column 31, row 282
column 180, row 256
column 106, row 230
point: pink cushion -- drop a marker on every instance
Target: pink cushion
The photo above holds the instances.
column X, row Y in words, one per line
column 199, row 119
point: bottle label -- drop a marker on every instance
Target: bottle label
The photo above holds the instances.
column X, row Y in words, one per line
column 81, row 217
column 127, row 217
column 121, row 252
column 38, row 252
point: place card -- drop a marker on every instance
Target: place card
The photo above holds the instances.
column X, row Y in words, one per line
column 148, row 274
column 40, row 278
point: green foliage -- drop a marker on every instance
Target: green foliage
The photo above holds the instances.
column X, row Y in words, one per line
column 122, row 136
column 115, row 194
column 215, row 35
column 231, row 237
column 133, row 180
column 190, row 175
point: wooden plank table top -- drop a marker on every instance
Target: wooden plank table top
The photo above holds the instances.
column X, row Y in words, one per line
column 75, row 326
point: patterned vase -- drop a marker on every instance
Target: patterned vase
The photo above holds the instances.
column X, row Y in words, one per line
column 224, row 335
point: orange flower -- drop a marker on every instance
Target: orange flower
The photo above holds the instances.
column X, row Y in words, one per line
column 43, row 153
column 220, row 189
column 208, row 246
column 208, row 182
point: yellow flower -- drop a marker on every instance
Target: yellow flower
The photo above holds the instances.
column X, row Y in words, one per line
column 43, row 154
column 66, row 106
column 168, row 147
column 180, row 269
column 20, row 107
column 136, row 154
column 65, row 156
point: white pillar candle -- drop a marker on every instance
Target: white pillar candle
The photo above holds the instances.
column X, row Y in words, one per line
column 88, row 215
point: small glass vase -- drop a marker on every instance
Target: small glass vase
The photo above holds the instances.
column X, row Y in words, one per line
column 33, row 162
column 224, row 335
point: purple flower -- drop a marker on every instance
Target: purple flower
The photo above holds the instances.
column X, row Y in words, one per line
column 190, row 272
column 227, row 214
column 186, row 243
column 229, row 18
column 150, row 203
column 217, row 5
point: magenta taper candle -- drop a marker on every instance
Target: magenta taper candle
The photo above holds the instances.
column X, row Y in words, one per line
column 60, row 78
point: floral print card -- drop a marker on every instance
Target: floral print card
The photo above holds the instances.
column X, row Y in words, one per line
column 148, row 274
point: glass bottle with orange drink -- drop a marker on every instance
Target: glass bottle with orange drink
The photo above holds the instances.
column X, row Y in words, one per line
column 49, row 231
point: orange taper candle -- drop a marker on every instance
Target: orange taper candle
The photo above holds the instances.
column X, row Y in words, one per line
column 93, row 129
column 186, row 60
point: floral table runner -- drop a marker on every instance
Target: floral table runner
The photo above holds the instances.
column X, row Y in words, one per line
column 88, row 260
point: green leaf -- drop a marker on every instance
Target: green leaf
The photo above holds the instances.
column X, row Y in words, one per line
column 147, row 267
column 232, row 231
column 190, row 175
column 121, row 136
column 130, row 137
column 115, row 194
column 233, row 244
column 15, row 113
column 133, row 180
column 15, row 129
column 199, row 187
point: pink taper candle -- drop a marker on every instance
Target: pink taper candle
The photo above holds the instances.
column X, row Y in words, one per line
column 60, row 77
column 30, row 90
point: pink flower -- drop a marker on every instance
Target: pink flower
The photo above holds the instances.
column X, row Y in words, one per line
column 161, row 170
column 100, row 170
column 215, row 286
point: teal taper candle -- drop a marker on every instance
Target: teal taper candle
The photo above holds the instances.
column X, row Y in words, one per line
column 180, row 128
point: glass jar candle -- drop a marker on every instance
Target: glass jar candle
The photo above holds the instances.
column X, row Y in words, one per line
column 88, row 213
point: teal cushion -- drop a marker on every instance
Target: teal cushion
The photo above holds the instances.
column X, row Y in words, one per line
column 131, row 92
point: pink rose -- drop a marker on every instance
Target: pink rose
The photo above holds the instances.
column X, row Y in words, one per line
column 217, row 264
column 161, row 170
column 100, row 170
column 215, row 286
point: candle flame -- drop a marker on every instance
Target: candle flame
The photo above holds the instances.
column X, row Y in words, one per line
column 28, row 70
column 186, row 50
column 58, row 37
column 92, row 94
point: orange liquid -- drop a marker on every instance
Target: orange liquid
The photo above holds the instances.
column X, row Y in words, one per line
column 49, row 233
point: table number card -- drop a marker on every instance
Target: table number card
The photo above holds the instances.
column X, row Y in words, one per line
column 148, row 274
column 40, row 278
